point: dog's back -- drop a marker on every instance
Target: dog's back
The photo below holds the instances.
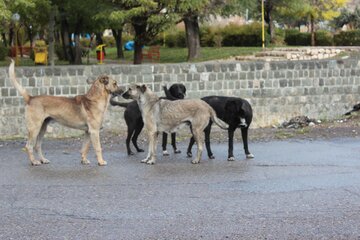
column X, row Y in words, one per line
column 230, row 108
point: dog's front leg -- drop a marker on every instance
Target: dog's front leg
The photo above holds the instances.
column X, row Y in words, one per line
column 151, row 157
column 85, row 149
column 95, row 139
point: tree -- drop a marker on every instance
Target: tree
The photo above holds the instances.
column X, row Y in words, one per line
column 315, row 11
column 191, row 11
column 147, row 17
column 346, row 17
column 5, row 16
column 75, row 18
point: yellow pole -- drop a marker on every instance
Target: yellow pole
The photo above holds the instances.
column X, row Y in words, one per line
column 263, row 23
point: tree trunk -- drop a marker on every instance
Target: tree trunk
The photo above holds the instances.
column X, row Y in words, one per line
column 65, row 37
column 137, row 52
column 118, row 39
column 312, row 30
column 140, row 40
column 78, row 51
column 192, row 37
column 51, row 37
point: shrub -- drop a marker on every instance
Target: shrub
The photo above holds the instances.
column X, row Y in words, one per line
column 207, row 35
column 324, row 38
column 3, row 52
column 175, row 39
column 294, row 37
column 348, row 38
column 246, row 35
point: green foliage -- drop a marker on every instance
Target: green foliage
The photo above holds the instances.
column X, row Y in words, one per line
column 348, row 38
column 175, row 39
column 294, row 37
column 324, row 38
column 245, row 35
column 59, row 52
column 109, row 41
column 4, row 51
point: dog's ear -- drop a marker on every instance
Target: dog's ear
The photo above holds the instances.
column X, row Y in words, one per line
column 143, row 88
column 91, row 80
column 104, row 79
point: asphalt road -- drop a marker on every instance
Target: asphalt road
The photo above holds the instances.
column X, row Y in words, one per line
column 294, row 189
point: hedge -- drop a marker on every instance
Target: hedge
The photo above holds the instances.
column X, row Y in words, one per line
column 348, row 38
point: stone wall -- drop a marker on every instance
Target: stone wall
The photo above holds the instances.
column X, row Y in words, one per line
column 277, row 91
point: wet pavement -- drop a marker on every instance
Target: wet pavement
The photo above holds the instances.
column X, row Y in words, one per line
column 293, row 189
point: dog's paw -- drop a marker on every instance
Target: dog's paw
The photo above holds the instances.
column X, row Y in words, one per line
column 45, row 161
column 103, row 163
column 189, row 154
column 131, row 153
column 151, row 162
column 141, row 150
column 85, row 162
column 249, row 156
column 165, row 153
column 195, row 161
column 176, row 151
column 145, row 160
column 211, row 157
column 231, row 159
column 36, row 163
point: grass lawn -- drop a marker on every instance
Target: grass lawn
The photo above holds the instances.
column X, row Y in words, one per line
column 167, row 55
column 178, row 55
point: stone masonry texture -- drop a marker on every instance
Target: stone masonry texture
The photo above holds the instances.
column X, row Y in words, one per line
column 278, row 91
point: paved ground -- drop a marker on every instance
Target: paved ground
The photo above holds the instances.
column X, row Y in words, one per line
column 292, row 189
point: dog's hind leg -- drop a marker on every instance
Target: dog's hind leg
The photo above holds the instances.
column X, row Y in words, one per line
column 173, row 143
column 244, row 134
column 164, row 143
column 207, row 140
column 85, row 148
column 139, row 127
column 33, row 132
column 191, row 143
column 198, row 136
column 39, row 142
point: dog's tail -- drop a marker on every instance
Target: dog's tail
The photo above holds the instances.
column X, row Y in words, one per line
column 16, row 84
column 116, row 103
column 217, row 120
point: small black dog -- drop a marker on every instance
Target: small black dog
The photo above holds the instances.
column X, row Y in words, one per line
column 135, row 123
column 234, row 111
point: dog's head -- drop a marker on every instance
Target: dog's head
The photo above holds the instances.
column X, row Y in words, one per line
column 134, row 92
column 106, row 83
column 178, row 90
column 237, row 109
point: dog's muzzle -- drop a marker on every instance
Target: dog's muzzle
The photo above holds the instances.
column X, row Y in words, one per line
column 118, row 92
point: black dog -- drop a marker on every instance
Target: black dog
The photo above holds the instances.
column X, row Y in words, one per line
column 135, row 123
column 355, row 109
column 234, row 111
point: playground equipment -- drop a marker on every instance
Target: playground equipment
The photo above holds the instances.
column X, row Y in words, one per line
column 41, row 55
column 100, row 54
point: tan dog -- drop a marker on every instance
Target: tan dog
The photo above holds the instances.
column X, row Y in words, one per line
column 161, row 115
column 84, row 112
